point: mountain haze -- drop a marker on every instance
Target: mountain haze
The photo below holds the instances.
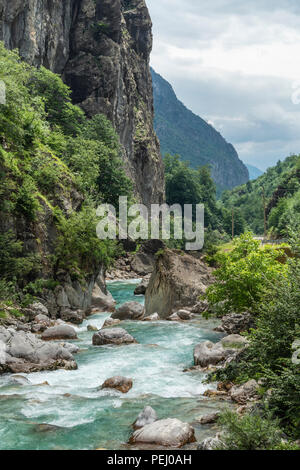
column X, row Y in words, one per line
column 182, row 132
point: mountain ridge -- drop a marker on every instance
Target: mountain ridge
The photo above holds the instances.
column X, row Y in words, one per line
column 182, row 132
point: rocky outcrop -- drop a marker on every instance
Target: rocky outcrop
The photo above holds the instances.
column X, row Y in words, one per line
column 115, row 336
column 242, row 394
column 102, row 300
column 165, row 432
column 102, row 49
column 23, row 352
column 236, row 323
column 122, row 384
column 147, row 416
column 129, row 311
column 209, row 354
column 177, row 282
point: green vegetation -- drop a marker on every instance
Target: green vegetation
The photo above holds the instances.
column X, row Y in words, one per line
column 249, row 432
column 245, row 274
column 55, row 167
column 272, row 289
column 281, row 185
column 182, row 132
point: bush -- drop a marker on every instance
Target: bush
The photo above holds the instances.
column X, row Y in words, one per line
column 245, row 275
column 249, row 432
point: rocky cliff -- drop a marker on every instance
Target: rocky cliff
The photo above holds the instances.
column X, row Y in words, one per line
column 101, row 48
column 182, row 132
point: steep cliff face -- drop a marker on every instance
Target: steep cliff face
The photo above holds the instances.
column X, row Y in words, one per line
column 102, row 49
column 182, row 132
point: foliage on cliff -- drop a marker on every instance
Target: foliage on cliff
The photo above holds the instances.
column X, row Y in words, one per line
column 55, row 167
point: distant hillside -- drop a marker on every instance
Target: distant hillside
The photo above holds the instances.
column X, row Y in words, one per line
column 281, row 184
column 182, row 132
column 254, row 172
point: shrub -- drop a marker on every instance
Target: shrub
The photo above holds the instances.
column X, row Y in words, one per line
column 245, row 275
column 249, row 432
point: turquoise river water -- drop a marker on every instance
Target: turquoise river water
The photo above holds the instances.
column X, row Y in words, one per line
column 84, row 417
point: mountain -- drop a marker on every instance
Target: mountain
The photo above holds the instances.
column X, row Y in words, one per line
column 101, row 48
column 182, row 132
column 281, row 186
column 254, row 172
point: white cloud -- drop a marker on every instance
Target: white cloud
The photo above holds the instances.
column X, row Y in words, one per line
column 234, row 63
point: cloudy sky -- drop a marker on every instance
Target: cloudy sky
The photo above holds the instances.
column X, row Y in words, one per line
column 236, row 63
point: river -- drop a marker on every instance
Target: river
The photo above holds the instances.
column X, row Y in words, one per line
column 84, row 417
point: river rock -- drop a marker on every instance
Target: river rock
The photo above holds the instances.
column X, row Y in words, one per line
column 234, row 341
column 73, row 316
column 92, row 328
column 112, row 336
column 178, row 280
column 142, row 287
column 123, row 384
column 147, row 416
column 19, row 380
column 129, row 311
column 184, row 314
column 211, row 443
column 245, row 392
column 208, row 353
column 153, row 317
column 109, row 322
column 173, row 317
column 164, row 432
column 59, row 332
column 23, row 352
column 210, row 418
column 104, row 302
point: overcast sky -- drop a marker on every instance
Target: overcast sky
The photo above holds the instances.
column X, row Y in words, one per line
column 235, row 63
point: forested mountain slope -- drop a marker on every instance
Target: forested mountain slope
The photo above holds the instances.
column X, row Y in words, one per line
column 281, row 185
column 182, row 132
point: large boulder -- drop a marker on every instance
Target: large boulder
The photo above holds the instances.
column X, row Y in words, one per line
column 112, row 336
column 122, row 384
column 177, row 282
column 103, row 301
column 147, row 416
column 59, row 332
column 129, row 311
column 245, row 392
column 23, row 352
column 208, row 353
column 165, row 432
